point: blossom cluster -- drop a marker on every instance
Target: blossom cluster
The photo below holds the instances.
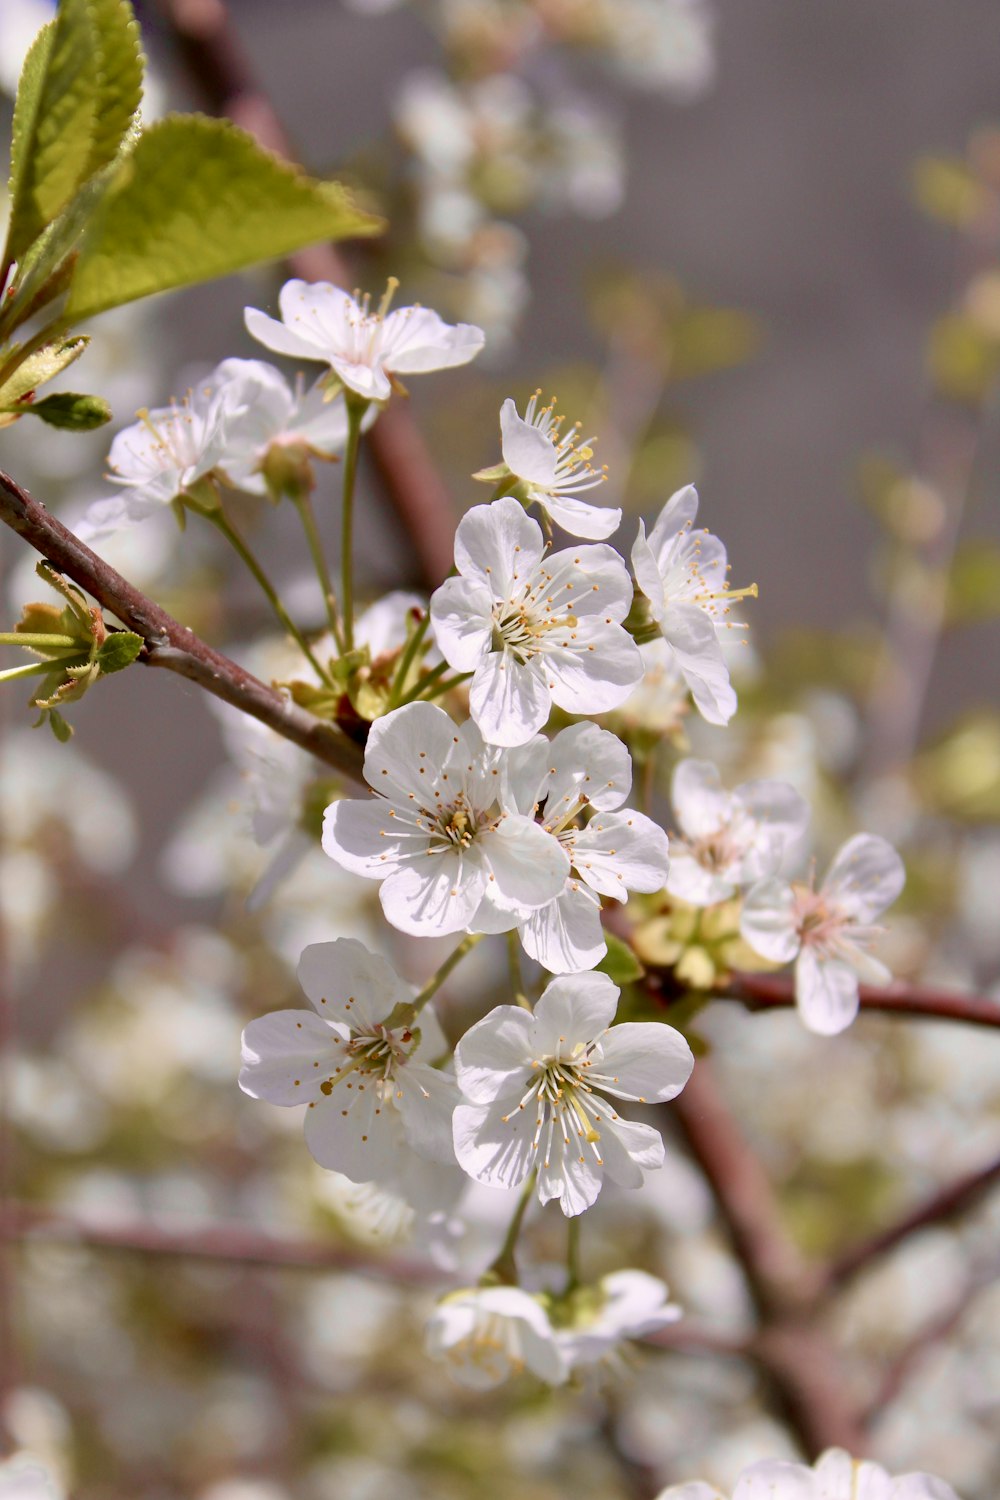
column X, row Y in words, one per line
column 500, row 802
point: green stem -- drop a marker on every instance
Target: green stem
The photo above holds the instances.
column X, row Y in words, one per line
column 307, row 516
column 356, row 408
column 31, row 669
column 406, row 660
column 25, row 638
column 441, row 688
column 243, row 552
column 573, row 1278
column 504, row 1268
column 439, row 976
column 514, row 964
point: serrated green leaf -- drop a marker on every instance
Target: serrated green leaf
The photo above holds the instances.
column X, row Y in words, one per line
column 71, row 410
column 119, row 651
column 620, row 963
column 197, row 199
column 119, row 80
column 26, row 104
column 39, row 367
column 57, row 137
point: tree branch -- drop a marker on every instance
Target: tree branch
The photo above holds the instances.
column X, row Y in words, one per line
column 217, row 62
column 800, row 1360
column 29, row 1222
column 777, row 991
column 946, row 1204
column 168, row 643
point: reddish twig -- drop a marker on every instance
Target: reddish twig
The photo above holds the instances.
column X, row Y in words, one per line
column 938, row 1209
column 802, row 1364
column 168, row 643
column 777, row 992
column 29, row 1222
column 217, row 62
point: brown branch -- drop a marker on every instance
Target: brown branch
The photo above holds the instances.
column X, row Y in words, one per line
column 168, row 643
column 942, row 1206
column 28, row 1222
column 777, row 991
column 218, row 64
column 802, row 1364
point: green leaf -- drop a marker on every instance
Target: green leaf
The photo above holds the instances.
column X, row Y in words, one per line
column 197, row 199
column 71, row 410
column 620, row 963
column 120, row 78
column 56, row 136
column 119, row 651
column 39, row 367
column 25, row 106
column 62, row 731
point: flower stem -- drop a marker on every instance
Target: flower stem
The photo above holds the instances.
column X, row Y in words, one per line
column 573, row 1278
column 25, row 638
column 356, row 408
column 439, row 976
column 30, row 669
column 504, row 1268
column 241, row 549
column 304, row 506
column 407, row 659
column 514, row 963
column 431, row 686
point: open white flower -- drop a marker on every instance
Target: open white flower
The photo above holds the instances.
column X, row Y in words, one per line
column 534, row 629
column 488, row 1334
column 273, row 421
column 683, row 575
column 552, row 469
column 729, row 839
column 159, row 457
column 534, row 1087
column 23, row 1479
column 436, row 835
column 835, row 1476
column 583, row 769
column 372, row 1098
column 829, row 931
column 624, row 1305
column 364, row 349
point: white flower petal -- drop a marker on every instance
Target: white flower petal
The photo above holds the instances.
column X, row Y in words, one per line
column 509, row 702
column 280, row 1053
column 493, row 1149
column 494, row 1053
column 595, row 522
column 768, row 920
column 620, row 852
column 462, row 620
column 866, row 876
column 826, row 992
column 416, row 339
column 691, row 633
column 643, row 1060
column 585, row 681
column 680, row 510
column 690, row 881
column 499, row 544
column 527, row 452
column 571, row 1012
column 566, row 936
column 529, row 867
column 436, row 895
column 347, row 983
column 701, row 804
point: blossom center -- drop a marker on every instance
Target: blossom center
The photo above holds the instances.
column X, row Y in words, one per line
column 568, row 1111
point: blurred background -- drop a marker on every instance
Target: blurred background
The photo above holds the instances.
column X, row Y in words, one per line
column 751, row 246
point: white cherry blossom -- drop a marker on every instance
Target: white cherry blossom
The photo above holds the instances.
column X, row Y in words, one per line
column 161, row 456
column 828, row 931
column 534, row 1088
column 835, row 1476
column 624, row 1305
column 272, row 416
column 583, row 769
column 365, row 349
column 535, row 629
column 682, row 573
column 553, row 468
column 487, row 1334
column 729, row 839
column 373, row 1101
column 437, row 834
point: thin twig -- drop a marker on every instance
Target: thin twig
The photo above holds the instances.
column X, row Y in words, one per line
column 31, row 1223
column 168, row 643
column 777, row 992
column 958, row 1197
